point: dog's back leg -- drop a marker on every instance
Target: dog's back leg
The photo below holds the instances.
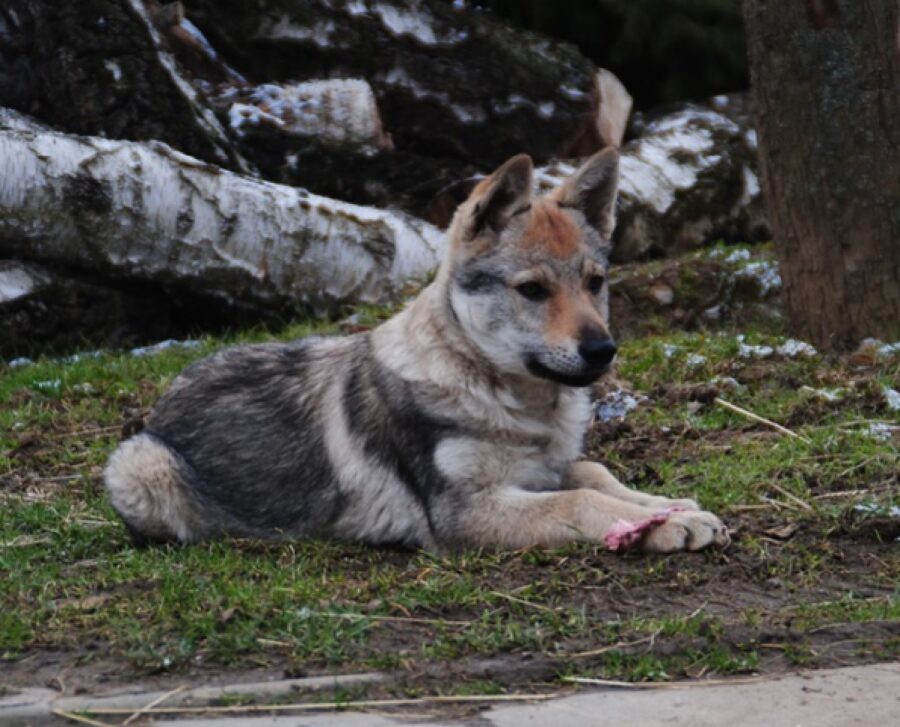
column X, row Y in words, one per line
column 146, row 484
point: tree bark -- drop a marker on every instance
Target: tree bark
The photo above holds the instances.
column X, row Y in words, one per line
column 458, row 90
column 147, row 212
column 99, row 67
column 826, row 77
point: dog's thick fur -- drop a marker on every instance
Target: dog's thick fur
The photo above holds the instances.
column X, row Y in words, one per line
column 457, row 423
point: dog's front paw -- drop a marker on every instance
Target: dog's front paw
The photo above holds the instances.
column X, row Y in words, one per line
column 687, row 530
column 665, row 503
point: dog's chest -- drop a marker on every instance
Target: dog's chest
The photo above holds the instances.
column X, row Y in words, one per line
column 533, row 456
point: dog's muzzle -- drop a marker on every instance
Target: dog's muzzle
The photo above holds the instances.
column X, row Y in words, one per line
column 596, row 355
column 583, row 378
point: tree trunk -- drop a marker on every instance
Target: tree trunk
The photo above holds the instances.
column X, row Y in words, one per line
column 147, row 212
column 826, row 75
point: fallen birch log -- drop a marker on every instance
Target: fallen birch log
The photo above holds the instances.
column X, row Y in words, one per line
column 145, row 211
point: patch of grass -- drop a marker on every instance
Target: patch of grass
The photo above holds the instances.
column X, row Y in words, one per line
column 71, row 577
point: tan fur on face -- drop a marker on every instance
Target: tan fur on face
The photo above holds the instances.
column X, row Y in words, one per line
column 569, row 313
column 563, row 320
column 552, row 231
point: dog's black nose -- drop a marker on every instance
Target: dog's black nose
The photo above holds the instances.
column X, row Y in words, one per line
column 597, row 351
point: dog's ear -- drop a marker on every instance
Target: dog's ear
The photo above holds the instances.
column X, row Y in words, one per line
column 592, row 190
column 500, row 196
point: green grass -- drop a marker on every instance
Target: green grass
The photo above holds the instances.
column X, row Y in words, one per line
column 71, row 580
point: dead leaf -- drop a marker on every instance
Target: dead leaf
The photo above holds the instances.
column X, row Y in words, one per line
column 783, row 532
column 227, row 615
column 88, row 603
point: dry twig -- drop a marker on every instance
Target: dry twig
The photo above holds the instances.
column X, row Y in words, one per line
column 762, row 420
column 78, row 718
column 159, row 700
column 310, row 706
column 790, row 496
column 668, row 685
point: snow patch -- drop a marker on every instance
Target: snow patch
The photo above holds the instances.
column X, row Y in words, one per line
column 400, row 21
column 670, row 349
column 356, row 7
column 572, row 93
column 615, row 405
column 764, row 273
column 875, row 346
column 340, row 110
column 738, row 256
column 551, row 176
column 15, row 283
column 19, row 362
column 695, row 360
column 881, row 431
column 512, row 103
column 285, row 29
column 84, row 356
column 241, row 116
column 546, row 109
column 873, row 508
column 114, row 69
column 750, row 351
column 169, row 343
column 674, row 152
column 891, row 398
column 792, row 348
column 751, row 183
column 415, row 22
column 829, row 395
column 467, row 114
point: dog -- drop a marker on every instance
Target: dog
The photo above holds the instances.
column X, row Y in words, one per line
column 456, row 424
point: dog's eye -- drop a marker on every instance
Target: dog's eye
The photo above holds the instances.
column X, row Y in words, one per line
column 533, row 291
column 595, row 284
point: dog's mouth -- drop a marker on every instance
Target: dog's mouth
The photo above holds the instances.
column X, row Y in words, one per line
column 585, row 378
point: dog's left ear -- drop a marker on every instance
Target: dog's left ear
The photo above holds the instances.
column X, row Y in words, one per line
column 500, row 196
column 592, row 190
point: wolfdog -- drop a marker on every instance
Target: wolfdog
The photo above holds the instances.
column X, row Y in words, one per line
column 457, row 423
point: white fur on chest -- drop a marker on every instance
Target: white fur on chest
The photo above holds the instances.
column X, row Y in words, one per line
column 501, row 461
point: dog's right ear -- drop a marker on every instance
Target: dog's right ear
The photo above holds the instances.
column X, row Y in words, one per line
column 500, row 196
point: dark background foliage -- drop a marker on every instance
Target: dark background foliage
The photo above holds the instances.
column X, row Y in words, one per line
column 663, row 50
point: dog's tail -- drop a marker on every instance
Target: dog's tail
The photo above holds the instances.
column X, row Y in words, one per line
column 147, row 484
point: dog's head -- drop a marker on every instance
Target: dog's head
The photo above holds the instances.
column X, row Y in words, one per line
column 526, row 277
